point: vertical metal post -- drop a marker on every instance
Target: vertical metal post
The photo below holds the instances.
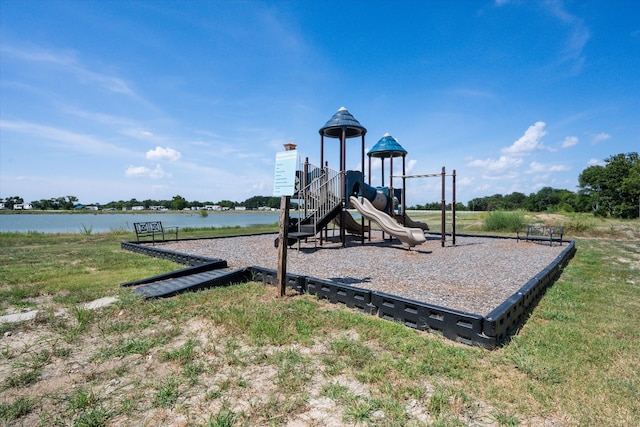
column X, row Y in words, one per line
column 391, row 183
column 282, row 245
column 453, row 210
column 443, row 223
column 343, row 171
column 404, row 191
column 382, row 173
column 362, row 217
column 305, row 182
column 321, row 152
column 369, row 181
column 323, row 172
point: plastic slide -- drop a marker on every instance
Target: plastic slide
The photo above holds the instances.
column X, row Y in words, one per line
column 410, row 236
column 408, row 222
column 351, row 225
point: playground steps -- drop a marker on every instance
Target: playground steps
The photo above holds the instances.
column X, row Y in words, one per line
column 189, row 279
column 310, row 226
column 321, row 222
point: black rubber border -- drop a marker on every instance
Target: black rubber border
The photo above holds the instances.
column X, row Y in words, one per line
column 485, row 331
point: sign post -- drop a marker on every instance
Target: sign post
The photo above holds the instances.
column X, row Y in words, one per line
column 284, row 186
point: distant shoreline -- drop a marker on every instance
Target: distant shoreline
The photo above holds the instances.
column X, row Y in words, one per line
column 119, row 212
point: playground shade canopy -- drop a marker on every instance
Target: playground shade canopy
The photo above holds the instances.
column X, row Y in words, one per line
column 387, row 146
column 342, row 119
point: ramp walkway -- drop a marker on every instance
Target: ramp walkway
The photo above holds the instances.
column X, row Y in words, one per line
column 203, row 276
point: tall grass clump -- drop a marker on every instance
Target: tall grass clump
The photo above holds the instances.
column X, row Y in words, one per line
column 504, row 221
column 86, row 230
column 579, row 225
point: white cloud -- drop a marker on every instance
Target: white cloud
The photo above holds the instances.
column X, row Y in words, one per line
column 68, row 61
column 600, row 137
column 595, row 162
column 145, row 172
column 504, row 162
column 161, row 153
column 569, row 141
column 505, row 177
column 411, row 164
column 528, row 142
column 65, row 139
column 579, row 34
column 536, row 167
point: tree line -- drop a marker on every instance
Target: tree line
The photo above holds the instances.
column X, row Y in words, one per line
column 176, row 203
column 609, row 190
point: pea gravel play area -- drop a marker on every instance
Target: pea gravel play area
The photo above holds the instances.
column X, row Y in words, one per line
column 475, row 276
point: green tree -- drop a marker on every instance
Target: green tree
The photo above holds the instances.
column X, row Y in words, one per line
column 227, row 204
column 514, row 201
column 613, row 189
column 71, row 202
column 178, row 203
column 477, row 204
column 13, row 200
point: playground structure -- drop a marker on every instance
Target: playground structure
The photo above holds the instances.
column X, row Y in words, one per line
column 326, row 194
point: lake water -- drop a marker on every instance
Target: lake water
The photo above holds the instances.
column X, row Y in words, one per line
column 104, row 222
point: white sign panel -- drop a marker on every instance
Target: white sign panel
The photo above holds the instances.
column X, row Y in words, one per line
column 284, row 182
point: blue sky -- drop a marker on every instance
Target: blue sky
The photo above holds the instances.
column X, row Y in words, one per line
column 113, row 100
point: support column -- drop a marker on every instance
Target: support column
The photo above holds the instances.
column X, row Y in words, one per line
column 453, row 210
column 443, row 223
column 282, row 245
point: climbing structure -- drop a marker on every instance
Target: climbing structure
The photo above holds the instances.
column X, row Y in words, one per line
column 323, row 191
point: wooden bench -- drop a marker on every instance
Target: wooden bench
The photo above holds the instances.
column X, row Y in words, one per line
column 537, row 232
column 153, row 229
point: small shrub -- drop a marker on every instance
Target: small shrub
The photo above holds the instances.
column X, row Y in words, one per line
column 224, row 418
column 504, row 221
column 167, row 395
column 12, row 411
column 182, row 354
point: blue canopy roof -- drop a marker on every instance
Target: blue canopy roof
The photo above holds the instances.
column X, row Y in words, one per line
column 387, row 147
column 342, row 119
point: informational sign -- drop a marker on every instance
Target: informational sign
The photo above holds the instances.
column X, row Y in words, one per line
column 284, row 182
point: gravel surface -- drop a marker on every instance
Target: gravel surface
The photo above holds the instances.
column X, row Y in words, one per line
column 476, row 275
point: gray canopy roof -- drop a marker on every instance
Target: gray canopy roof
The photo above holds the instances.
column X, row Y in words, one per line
column 387, row 147
column 342, row 119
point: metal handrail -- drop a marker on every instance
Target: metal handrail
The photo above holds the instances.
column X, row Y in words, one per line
column 322, row 194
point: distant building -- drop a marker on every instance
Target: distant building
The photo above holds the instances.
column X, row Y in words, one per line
column 137, row 208
column 240, row 208
column 21, row 206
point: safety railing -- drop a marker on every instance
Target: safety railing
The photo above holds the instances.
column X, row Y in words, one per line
column 321, row 195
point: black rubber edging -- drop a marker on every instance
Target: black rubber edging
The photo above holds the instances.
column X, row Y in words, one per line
column 468, row 328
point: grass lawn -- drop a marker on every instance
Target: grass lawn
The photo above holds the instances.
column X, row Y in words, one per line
column 240, row 356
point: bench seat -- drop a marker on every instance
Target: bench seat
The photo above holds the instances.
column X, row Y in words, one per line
column 155, row 230
column 537, row 232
